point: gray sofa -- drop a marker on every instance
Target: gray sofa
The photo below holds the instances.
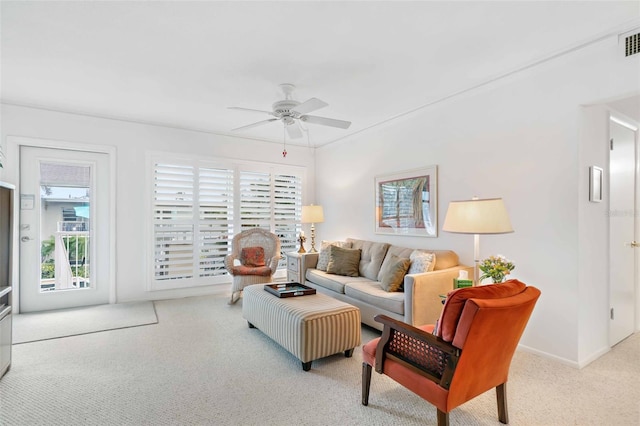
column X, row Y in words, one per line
column 419, row 303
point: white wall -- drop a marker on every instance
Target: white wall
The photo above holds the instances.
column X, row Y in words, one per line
column 132, row 142
column 518, row 139
column 593, row 243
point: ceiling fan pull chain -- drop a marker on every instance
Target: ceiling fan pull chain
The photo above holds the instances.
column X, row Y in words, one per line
column 284, row 141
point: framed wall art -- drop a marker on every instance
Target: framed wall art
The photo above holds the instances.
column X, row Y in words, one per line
column 407, row 203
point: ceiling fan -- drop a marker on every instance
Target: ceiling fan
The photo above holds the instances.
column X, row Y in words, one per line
column 292, row 113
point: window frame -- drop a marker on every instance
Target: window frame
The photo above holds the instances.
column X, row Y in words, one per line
column 235, row 225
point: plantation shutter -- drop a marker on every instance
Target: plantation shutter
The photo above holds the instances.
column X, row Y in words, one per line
column 255, row 200
column 173, row 228
column 198, row 206
column 215, row 224
column 287, row 211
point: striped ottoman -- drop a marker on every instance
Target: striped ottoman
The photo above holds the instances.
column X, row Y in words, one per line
column 310, row 327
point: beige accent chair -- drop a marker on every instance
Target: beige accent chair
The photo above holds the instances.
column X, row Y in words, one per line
column 253, row 260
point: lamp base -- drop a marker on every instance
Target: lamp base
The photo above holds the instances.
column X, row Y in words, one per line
column 313, row 239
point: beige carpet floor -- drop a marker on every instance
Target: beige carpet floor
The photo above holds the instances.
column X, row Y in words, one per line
column 202, row 365
column 45, row 325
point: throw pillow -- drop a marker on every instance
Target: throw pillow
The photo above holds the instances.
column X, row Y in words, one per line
column 323, row 257
column 392, row 275
column 421, row 261
column 252, row 256
column 343, row 261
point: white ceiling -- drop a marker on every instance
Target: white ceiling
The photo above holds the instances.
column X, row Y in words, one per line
column 183, row 63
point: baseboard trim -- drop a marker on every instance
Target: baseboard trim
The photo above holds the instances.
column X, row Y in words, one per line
column 547, row 355
column 575, row 364
column 595, row 355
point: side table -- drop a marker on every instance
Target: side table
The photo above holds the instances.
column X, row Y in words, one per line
column 297, row 264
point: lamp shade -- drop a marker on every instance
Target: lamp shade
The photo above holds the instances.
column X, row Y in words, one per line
column 312, row 214
column 488, row 216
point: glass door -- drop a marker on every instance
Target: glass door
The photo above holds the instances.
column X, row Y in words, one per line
column 63, row 229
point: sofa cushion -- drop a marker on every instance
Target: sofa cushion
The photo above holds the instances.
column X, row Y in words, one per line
column 392, row 272
column 343, row 261
column 263, row 271
column 444, row 258
column 396, row 251
column 371, row 293
column 421, row 261
column 323, row 257
column 371, row 257
column 330, row 281
column 252, row 256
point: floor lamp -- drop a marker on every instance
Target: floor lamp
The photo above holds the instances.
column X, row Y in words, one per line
column 312, row 214
column 475, row 216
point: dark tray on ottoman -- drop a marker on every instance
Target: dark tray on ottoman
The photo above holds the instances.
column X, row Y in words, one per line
column 289, row 289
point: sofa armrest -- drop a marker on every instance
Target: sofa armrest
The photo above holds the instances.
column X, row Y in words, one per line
column 309, row 261
column 422, row 302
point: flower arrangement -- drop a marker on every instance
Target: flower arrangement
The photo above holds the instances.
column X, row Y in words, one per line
column 496, row 267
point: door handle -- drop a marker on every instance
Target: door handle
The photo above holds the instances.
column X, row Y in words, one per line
column 25, row 239
column 634, row 244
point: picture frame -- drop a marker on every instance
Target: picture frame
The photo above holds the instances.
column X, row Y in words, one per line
column 595, row 184
column 406, row 203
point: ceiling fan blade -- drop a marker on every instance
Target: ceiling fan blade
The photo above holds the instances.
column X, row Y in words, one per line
column 259, row 123
column 313, row 119
column 310, row 105
column 251, row 109
column 294, row 130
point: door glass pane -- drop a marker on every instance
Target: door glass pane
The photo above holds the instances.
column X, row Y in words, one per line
column 65, row 203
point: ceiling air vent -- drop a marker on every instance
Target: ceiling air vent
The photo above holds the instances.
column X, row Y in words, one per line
column 630, row 42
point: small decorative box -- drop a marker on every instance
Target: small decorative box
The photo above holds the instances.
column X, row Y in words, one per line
column 458, row 283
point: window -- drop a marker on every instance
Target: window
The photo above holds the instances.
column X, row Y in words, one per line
column 198, row 206
column 272, row 201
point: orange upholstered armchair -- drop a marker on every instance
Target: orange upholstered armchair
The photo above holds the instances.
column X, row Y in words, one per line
column 467, row 353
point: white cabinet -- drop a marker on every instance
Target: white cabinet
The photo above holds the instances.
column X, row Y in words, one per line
column 7, row 245
column 297, row 264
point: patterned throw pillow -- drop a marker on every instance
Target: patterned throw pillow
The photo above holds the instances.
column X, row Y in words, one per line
column 421, row 261
column 252, row 256
column 392, row 275
column 343, row 261
column 323, row 257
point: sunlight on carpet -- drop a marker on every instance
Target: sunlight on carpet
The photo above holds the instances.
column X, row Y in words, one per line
column 46, row 325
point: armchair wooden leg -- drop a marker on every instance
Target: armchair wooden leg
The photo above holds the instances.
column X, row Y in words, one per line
column 235, row 296
column 501, row 393
column 366, row 382
column 443, row 418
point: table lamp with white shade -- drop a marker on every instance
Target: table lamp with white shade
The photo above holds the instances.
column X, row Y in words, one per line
column 475, row 216
column 312, row 214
